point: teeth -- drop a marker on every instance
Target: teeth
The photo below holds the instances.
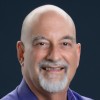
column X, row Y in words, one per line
column 58, row 68
column 48, row 68
column 52, row 68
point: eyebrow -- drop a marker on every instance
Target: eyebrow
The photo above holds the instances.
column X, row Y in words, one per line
column 70, row 38
column 35, row 38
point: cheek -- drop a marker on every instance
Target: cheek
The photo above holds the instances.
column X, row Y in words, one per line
column 38, row 56
column 30, row 68
column 72, row 60
column 28, row 62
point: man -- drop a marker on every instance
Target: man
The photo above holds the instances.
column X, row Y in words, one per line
column 49, row 56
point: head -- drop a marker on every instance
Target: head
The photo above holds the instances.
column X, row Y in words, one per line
column 48, row 52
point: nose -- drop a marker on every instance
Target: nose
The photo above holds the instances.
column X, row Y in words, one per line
column 54, row 54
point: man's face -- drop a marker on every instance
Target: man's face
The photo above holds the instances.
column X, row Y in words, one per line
column 51, row 54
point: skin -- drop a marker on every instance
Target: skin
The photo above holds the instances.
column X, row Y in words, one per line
column 49, row 35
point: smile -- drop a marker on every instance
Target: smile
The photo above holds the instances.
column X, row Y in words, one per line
column 53, row 68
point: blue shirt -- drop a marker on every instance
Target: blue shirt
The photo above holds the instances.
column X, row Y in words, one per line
column 22, row 92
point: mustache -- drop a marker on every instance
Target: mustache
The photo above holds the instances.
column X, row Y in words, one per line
column 47, row 63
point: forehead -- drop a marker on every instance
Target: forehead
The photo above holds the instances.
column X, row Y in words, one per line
column 54, row 24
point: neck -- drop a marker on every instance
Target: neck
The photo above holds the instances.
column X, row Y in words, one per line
column 54, row 96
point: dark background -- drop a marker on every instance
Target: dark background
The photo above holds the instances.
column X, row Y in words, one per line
column 86, row 15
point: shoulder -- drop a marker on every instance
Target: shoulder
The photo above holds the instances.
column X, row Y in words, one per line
column 80, row 97
column 11, row 96
column 85, row 98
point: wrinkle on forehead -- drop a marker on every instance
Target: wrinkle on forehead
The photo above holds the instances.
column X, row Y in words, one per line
column 39, row 13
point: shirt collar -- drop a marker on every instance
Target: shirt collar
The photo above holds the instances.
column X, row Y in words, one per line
column 70, row 94
column 24, row 92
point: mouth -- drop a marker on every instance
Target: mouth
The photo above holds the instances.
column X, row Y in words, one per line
column 53, row 69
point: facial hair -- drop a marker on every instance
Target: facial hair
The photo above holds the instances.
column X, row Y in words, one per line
column 51, row 86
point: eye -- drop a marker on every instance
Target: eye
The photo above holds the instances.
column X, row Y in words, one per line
column 65, row 43
column 41, row 43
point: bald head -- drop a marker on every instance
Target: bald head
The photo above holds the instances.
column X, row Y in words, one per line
column 42, row 13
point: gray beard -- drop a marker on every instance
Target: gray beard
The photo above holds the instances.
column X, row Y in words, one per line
column 51, row 86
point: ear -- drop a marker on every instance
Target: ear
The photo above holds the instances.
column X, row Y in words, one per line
column 20, row 52
column 78, row 53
